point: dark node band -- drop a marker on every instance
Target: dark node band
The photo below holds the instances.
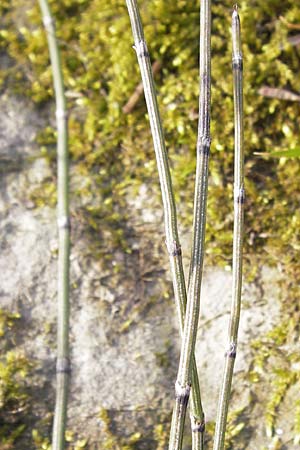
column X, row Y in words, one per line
column 231, row 353
column 240, row 197
column 237, row 64
column 183, row 399
column 174, row 249
column 144, row 54
column 198, row 427
column 204, row 145
column 141, row 49
column 63, row 365
column 182, row 394
column 204, row 78
column 204, row 149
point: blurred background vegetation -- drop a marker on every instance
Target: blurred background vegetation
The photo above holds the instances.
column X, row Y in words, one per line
column 110, row 142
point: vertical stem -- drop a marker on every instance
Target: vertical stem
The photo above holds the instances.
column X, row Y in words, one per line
column 239, row 198
column 195, row 277
column 63, row 220
column 171, row 230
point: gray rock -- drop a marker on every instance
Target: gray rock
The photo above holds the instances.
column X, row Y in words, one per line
column 124, row 334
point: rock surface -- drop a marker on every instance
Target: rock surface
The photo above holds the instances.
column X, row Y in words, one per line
column 124, row 336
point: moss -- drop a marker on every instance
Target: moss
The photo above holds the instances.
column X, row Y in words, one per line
column 14, row 399
column 7, row 321
column 282, row 379
column 113, row 442
column 280, row 369
column 44, row 195
column 164, row 358
column 161, row 435
column 297, row 423
column 111, row 150
column 43, row 443
column 235, row 425
column 39, row 441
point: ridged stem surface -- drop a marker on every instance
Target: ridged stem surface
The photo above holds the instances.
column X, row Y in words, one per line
column 172, row 239
column 239, row 198
column 195, row 274
column 63, row 220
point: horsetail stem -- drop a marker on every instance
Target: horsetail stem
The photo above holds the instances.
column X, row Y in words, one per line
column 170, row 218
column 63, row 221
column 195, row 274
column 239, row 198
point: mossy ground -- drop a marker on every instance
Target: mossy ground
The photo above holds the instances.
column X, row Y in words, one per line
column 112, row 154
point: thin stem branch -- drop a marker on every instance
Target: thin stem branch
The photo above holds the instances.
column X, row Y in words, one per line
column 195, row 275
column 63, row 220
column 239, row 198
column 171, row 230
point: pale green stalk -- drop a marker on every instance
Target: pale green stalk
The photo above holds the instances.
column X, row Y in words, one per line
column 63, row 220
column 239, row 198
column 172, row 239
column 195, row 276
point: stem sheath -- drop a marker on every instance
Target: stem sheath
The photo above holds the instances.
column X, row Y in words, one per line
column 63, row 220
column 195, row 274
column 239, row 199
column 170, row 217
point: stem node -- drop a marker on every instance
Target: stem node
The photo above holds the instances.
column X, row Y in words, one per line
column 182, row 393
column 61, row 114
column 48, row 23
column 237, row 62
column 174, row 248
column 63, row 365
column 231, row 352
column 197, row 427
column 64, row 223
column 239, row 195
column 141, row 49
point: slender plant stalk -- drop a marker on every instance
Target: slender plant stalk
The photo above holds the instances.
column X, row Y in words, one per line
column 63, row 220
column 195, row 276
column 172, row 239
column 239, row 198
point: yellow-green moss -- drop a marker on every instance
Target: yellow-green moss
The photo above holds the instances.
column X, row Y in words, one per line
column 113, row 442
column 14, row 368
column 112, row 150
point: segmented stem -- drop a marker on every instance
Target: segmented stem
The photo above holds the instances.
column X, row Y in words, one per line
column 195, row 275
column 63, row 220
column 171, row 230
column 239, row 198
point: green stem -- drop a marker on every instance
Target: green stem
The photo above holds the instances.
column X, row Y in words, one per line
column 195, row 274
column 172, row 239
column 63, row 220
column 239, row 198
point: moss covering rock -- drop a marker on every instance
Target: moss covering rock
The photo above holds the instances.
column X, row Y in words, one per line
column 112, row 155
